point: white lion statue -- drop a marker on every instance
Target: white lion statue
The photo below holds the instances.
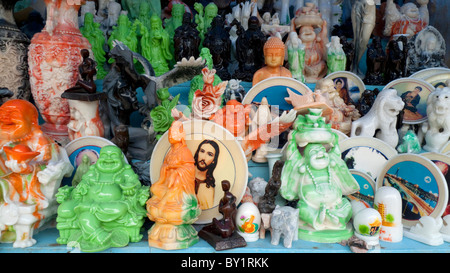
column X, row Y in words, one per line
column 437, row 128
column 381, row 120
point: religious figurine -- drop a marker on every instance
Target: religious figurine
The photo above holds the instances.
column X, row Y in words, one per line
column 186, row 40
column 91, row 30
column 249, row 50
column 81, row 170
column 204, row 18
column 437, row 128
column 261, row 117
column 114, row 9
column 296, row 56
column 173, row 205
column 172, row 23
column 32, row 168
column 221, row 233
column 375, row 63
column 132, row 8
column 144, row 15
column 366, row 100
column 363, row 22
column 13, row 54
column 125, row 32
column 318, row 179
column 342, row 116
column 306, row 20
column 396, row 59
column 234, row 91
column 408, row 20
column 106, row 209
column 274, row 51
column 381, row 120
column 426, row 50
column 271, row 26
column 336, row 60
column 349, row 49
column 88, row 7
column 155, row 46
column 53, row 59
column 217, row 39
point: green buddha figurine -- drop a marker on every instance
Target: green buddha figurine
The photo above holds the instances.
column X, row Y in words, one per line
column 96, row 38
column 106, row 209
column 155, row 46
column 318, row 179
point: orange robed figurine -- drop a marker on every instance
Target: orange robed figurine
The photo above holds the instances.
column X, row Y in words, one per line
column 173, row 205
column 274, row 51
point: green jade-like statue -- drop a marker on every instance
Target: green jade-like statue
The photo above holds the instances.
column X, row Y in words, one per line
column 155, row 46
column 318, row 179
column 204, row 17
column 96, row 38
column 174, row 22
column 106, row 209
column 125, row 31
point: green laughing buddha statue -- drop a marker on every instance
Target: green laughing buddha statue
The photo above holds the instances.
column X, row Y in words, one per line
column 106, row 209
column 318, row 178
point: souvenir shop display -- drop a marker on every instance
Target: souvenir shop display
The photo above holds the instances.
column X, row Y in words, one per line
column 246, row 126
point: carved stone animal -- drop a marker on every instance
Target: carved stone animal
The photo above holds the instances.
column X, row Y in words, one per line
column 381, row 120
column 437, row 128
column 284, row 223
column 257, row 188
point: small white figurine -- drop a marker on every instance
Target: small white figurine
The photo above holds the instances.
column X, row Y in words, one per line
column 426, row 231
column 437, row 127
column 284, row 223
column 336, row 59
column 388, row 202
column 262, row 117
column 381, row 120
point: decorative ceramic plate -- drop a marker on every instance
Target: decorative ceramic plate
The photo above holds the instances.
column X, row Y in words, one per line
column 446, row 149
column 416, row 110
column 425, row 73
column 231, row 163
column 443, row 163
column 421, row 184
column 275, row 90
column 367, row 154
column 350, row 82
column 366, row 193
column 438, row 79
column 88, row 145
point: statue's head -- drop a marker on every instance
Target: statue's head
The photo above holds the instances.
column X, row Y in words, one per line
column 410, row 10
column 307, row 34
column 178, row 11
column 88, row 19
column 18, row 118
column 110, row 159
column 316, row 156
column 211, row 11
column 274, row 50
column 155, row 22
column 176, row 132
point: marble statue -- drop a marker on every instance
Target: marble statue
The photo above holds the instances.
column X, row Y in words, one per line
column 409, row 20
column 363, row 22
column 381, row 120
column 296, row 56
column 336, row 59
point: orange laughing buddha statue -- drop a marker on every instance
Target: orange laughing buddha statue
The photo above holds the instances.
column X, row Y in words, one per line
column 31, row 169
column 274, row 51
column 173, row 205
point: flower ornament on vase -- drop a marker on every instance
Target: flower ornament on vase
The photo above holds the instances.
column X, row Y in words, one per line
column 33, row 166
column 208, row 101
column 53, row 59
